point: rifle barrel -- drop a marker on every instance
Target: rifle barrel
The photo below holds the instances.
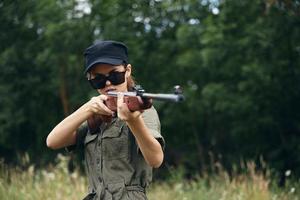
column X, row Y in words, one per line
column 164, row 97
column 161, row 97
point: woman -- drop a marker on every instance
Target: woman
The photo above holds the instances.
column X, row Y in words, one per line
column 120, row 156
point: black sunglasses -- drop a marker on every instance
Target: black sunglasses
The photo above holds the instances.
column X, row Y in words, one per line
column 114, row 77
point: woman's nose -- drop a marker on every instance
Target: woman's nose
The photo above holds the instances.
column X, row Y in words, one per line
column 107, row 82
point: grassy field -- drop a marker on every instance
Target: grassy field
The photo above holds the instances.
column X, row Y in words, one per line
column 55, row 183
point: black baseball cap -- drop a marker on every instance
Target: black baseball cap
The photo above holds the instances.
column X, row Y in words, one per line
column 106, row 52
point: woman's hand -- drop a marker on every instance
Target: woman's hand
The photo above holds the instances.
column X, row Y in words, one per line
column 123, row 112
column 96, row 106
column 64, row 134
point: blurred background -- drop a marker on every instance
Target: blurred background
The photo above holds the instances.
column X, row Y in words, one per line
column 238, row 63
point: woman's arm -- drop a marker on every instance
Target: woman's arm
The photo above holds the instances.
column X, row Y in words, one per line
column 149, row 146
column 64, row 134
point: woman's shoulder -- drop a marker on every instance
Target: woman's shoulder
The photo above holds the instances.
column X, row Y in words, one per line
column 151, row 112
column 150, row 116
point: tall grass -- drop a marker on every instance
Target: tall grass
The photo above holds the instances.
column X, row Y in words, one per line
column 56, row 183
column 251, row 185
column 47, row 184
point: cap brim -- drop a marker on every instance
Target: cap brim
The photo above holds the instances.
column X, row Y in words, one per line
column 110, row 61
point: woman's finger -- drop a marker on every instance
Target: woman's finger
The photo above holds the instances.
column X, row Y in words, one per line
column 102, row 97
column 104, row 109
column 99, row 106
column 120, row 100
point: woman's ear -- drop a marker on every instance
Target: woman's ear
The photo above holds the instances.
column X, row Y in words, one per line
column 128, row 70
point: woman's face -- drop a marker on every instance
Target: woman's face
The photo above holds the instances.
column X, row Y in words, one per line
column 106, row 69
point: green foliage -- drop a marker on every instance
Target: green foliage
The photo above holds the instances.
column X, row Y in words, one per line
column 238, row 63
column 253, row 90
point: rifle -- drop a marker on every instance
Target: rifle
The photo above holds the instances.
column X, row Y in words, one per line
column 136, row 100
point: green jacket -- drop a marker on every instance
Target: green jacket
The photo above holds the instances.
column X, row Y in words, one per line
column 115, row 166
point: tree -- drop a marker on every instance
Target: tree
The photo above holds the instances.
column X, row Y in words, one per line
column 236, row 60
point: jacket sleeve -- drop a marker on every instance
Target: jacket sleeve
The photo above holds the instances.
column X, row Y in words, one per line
column 151, row 120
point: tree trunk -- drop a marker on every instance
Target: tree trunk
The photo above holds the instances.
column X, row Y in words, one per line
column 63, row 90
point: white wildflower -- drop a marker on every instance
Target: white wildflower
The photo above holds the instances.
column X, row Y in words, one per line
column 288, row 172
column 292, row 190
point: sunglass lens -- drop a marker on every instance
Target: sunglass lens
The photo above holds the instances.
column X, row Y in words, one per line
column 98, row 82
column 117, row 78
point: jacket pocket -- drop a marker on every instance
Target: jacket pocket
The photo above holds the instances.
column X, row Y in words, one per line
column 115, row 143
column 89, row 138
column 90, row 149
